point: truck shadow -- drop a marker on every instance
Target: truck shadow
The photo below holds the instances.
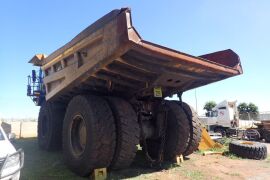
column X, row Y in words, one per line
column 139, row 167
column 41, row 164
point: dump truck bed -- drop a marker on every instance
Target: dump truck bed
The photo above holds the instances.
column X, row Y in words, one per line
column 110, row 57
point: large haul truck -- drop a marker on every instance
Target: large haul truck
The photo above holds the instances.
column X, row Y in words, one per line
column 103, row 93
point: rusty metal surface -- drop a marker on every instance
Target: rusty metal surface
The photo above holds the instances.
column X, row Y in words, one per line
column 110, row 57
column 227, row 57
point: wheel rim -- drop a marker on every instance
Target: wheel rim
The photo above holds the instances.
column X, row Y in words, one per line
column 78, row 135
column 44, row 126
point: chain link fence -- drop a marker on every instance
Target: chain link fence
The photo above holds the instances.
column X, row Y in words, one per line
column 249, row 116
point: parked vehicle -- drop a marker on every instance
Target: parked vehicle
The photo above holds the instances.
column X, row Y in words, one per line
column 104, row 92
column 260, row 132
column 224, row 119
column 11, row 161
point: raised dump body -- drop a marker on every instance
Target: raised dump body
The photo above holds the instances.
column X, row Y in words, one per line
column 110, row 57
column 105, row 93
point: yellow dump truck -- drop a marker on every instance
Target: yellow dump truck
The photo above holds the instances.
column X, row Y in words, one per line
column 103, row 93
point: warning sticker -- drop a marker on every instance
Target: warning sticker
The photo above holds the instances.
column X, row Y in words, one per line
column 158, row 92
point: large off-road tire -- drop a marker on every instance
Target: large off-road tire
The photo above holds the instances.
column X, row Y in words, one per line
column 177, row 133
column 195, row 129
column 50, row 122
column 127, row 132
column 248, row 149
column 88, row 134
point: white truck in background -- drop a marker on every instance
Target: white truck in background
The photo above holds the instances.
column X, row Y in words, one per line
column 224, row 119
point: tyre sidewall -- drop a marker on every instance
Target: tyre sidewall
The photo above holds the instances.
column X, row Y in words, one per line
column 177, row 133
column 79, row 107
column 44, row 138
column 248, row 149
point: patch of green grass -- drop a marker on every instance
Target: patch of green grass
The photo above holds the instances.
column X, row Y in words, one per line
column 225, row 146
column 267, row 163
column 216, row 178
column 232, row 174
column 231, row 155
column 225, row 141
column 225, row 149
column 39, row 165
column 268, row 159
column 193, row 174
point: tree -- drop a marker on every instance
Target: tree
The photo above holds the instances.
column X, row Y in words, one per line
column 252, row 108
column 242, row 108
column 248, row 111
column 209, row 105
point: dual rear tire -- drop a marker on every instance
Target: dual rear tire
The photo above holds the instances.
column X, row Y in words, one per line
column 183, row 133
column 195, row 129
column 88, row 134
column 99, row 133
column 176, row 135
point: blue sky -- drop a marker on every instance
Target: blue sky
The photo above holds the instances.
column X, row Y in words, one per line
column 30, row 27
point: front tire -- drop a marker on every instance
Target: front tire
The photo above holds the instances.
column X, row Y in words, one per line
column 50, row 122
column 88, row 134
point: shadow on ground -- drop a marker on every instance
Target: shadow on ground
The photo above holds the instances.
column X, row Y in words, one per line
column 139, row 167
column 41, row 165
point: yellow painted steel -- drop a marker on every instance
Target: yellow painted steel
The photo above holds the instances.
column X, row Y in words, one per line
column 179, row 160
column 207, row 143
column 99, row 174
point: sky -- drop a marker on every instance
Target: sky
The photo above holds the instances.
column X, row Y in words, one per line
column 194, row 27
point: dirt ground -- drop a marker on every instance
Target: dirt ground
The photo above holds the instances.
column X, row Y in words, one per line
column 41, row 165
column 214, row 167
column 220, row 167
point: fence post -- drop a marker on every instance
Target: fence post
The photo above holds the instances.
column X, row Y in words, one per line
column 20, row 130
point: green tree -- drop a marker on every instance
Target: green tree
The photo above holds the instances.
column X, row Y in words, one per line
column 209, row 105
column 252, row 108
column 242, row 108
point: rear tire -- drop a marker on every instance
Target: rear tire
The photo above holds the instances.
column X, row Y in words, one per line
column 88, row 134
column 177, row 133
column 195, row 129
column 50, row 122
column 127, row 132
